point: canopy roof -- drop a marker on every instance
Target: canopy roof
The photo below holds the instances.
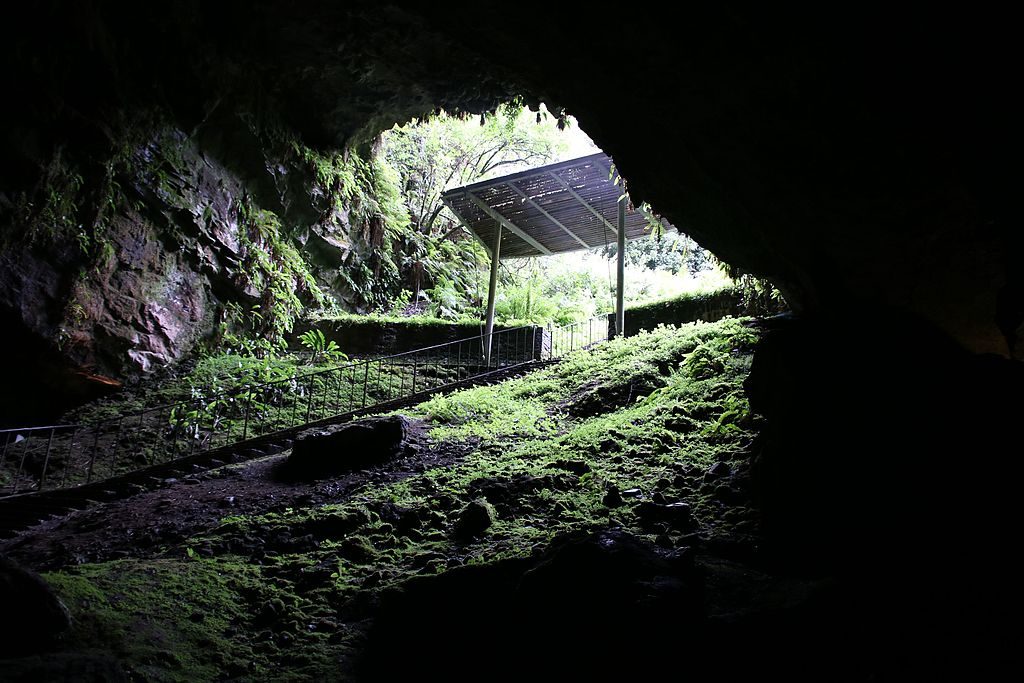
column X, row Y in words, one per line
column 552, row 209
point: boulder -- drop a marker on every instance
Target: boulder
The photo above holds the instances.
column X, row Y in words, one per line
column 474, row 520
column 38, row 617
column 613, row 498
column 717, row 471
column 676, row 515
column 331, row 451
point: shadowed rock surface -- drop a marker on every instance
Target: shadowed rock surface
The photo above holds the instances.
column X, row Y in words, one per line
column 320, row 453
column 609, row 606
column 861, row 164
column 41, row 617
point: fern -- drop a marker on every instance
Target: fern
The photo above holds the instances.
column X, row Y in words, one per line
column 321, row 349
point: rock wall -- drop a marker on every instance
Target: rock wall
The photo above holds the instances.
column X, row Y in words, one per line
column 159, row 177
column 375, row 337
column 860, row 161
column 683, row 309
column 139, row 270
column 860, row 164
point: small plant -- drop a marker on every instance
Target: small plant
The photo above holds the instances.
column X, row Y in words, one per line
column 731, row 421
column 401, row 302
column 321, row 349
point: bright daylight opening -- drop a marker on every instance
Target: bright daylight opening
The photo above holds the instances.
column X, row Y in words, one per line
column 437, row 154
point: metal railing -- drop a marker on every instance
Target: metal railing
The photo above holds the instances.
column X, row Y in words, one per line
column 61, row 456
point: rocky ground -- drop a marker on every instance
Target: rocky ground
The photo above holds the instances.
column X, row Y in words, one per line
column 593, row 518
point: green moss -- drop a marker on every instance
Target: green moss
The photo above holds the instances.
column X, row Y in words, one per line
column 725, row 294
column 543, row 466
column 197, row 619
column 353, row 320
column 157, row 617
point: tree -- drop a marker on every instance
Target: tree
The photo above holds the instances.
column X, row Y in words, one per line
column 445, row 151
column 671, row 252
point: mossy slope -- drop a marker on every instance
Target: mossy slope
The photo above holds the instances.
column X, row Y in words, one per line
column 612, row 437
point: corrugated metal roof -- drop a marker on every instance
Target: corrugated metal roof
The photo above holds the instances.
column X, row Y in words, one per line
column 552, row 209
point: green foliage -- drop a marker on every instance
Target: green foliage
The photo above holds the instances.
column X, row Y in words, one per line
column 708, row 359
column 76, row 198
column 273, row 267
column 488, row 414
column 445, row 300
column 760, row 296
column 171, row 619
column 367, row 194
column 358, row 320
column 57, row 216
column 526, row 302
column 623, row 366
column 321, row 349
column 401, row 302
column 423, row 159
column 674, row 253
column 444, row 151
column 540, row 291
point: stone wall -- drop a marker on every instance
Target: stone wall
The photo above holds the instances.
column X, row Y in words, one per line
column 369, row 336
column 683, row 309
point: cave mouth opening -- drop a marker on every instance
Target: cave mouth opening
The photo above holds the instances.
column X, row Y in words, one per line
column 865, row 177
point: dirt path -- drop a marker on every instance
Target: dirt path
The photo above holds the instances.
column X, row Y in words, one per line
column 148, row 524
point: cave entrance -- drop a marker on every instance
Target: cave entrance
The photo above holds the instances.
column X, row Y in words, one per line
column 558, row 208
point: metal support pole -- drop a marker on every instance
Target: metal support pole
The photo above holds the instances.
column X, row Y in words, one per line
column 492, row 286
column 245, row 420
column 620, row 272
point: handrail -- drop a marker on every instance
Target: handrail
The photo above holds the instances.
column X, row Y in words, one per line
column 21, row 430
column 63, row 456
column 335, row 368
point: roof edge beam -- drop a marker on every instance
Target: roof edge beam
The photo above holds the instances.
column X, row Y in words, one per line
column 547, row 215
column 519, row 232
column 466, row 225
column 584, row 202
column 529, row 173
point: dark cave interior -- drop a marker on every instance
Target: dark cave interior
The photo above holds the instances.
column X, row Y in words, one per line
column 860, row 160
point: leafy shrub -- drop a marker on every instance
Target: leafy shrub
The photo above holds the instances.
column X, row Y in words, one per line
column 320, row 349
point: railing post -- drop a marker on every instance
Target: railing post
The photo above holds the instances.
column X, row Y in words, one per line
column 337, row 394
column 46, row 460
column 245, row 419
column 67, row 458
column 92, row 457
column 366, row 378
column 309, row 398
column 7, row 443
column 21, row 463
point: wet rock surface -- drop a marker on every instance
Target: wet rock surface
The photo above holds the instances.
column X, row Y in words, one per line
column 679, row 570
column 157, row 521
column 474, row 520
column 320, row 453
column 602, row 606
column 41, row 617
